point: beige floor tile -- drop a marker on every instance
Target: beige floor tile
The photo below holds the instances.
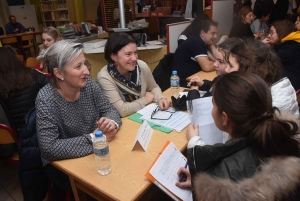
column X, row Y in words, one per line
column 14, row 191
column 4, row 196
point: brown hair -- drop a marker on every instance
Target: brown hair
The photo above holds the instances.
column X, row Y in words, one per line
column 247, row 101
column 256, row 57
column 244, row 11
column 227, row 45
column 283, row 28
column 14, row 76
column 53, row 32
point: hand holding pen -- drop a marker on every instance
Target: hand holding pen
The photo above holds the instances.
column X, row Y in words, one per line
column 188, row 181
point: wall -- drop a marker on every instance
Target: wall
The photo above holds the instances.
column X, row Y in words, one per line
column 4, row 13
column 90, row 9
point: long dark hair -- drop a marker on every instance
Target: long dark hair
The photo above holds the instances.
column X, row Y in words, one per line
column 283, row 28
column 14, row 76
column 247, row 101
column 256, row 57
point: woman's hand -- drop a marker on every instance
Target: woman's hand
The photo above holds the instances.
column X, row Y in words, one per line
column 195, row 81
column 163, row 104
column 192, row 131
column 149, row 96
column 258, row 35
column 266, row 40
column 108, row 127
column 187, row 181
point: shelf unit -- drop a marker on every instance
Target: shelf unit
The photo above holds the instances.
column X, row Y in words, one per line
column 57, row 12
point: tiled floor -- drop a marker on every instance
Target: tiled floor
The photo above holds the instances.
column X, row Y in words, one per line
column 10, row 189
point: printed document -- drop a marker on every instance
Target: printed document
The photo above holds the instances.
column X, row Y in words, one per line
column 165, row 170
column 208, row 131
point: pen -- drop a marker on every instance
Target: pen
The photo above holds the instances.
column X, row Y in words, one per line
column 181, row 176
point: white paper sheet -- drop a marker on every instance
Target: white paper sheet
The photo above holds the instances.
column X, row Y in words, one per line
column 165, row 171
column 208, row 131
column 143, row 136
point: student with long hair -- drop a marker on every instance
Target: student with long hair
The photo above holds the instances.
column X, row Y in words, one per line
column 242, row 107
column 50, row 35
column 19, row 87
column 286, row 42
column 241, row 28
column 255, row 57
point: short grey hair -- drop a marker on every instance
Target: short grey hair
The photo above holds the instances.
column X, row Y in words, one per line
column 59, row 55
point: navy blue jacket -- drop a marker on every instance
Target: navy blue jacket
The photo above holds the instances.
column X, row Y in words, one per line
column 33, row 179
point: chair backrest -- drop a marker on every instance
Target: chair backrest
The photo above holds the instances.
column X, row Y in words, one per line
column 4, row 119
column 8, row 135
column 27, row 37
column 31, row 62
column 9, row 40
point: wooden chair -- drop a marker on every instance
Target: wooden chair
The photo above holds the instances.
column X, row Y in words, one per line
column 24, row 48
column 31, row 62
column 8, row 136
column 13, row 41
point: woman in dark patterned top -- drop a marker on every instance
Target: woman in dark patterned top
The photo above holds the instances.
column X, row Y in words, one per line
column 70, row 109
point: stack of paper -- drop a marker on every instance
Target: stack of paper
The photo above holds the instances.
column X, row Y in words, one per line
column 178, row 121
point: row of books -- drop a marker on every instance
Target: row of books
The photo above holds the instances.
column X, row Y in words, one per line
column 51, row 16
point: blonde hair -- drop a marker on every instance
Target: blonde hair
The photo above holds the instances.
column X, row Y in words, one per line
column 53, row 32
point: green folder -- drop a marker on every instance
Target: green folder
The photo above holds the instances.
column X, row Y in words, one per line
column 137, row 118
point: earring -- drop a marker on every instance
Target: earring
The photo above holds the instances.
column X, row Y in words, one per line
column 62, row 79
column 116, row 64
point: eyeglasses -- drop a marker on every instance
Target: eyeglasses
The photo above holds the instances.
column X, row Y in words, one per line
column 161, row 114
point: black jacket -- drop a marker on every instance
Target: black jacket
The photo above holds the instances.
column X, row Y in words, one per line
column 236, row 159
column 33, row 179
column 289, row 54
column 19, row 105
column 163, row 71
column 240, row 30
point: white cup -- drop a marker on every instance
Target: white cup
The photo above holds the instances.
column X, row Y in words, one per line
column 100, row 30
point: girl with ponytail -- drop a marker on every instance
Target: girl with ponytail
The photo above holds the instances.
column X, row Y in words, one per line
column 242, row 107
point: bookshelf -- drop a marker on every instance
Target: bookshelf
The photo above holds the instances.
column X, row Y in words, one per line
column 57, row 12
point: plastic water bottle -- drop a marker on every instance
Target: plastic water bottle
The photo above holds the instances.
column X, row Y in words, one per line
column 174, row 81
column 101, row 151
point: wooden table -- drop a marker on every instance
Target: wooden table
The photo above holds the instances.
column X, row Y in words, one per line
column 19, row 36
column 203, row 75
column 126, row 180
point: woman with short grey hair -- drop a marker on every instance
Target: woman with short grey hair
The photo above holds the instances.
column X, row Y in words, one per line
column 70, row 109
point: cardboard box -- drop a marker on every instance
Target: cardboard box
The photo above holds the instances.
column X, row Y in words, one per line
column 154, row 13
column 94, row 44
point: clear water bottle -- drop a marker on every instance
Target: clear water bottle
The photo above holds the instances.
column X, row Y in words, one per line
column 174, row 81
column 101, row 151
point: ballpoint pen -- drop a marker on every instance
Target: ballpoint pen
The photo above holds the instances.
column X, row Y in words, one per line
column 182, row 174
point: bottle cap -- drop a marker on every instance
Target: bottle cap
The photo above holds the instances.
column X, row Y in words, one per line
column 174, row 72
column 98, row 134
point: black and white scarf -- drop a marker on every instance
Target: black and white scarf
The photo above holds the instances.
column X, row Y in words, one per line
column 130, row 88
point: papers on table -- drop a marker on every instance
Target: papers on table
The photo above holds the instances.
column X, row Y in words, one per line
column 164, row 172
column 209, row 132
column 178, row 121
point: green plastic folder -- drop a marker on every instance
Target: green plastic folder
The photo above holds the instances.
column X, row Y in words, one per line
column 137, row 118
